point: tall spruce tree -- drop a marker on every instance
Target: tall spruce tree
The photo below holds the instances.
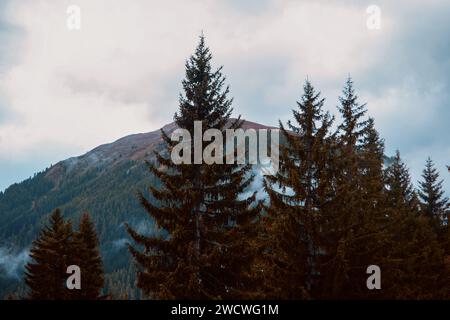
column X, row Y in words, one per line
column 46, row 275
column 296, row 194
column 371, row 166
column 349, row 223
column 434, row 203
column 87, row 256
column 204, row 252
column 413, row 262
column 371, row 242
column 372, row 178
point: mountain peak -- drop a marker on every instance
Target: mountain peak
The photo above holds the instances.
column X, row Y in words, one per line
column 138, row 146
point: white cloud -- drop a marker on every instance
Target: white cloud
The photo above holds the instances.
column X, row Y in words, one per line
column 121, row 72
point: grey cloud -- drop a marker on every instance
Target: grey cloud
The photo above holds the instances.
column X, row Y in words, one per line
column 415, row 70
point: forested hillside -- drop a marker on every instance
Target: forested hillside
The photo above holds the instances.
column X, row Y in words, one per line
column 106, row 190
column 104, row 182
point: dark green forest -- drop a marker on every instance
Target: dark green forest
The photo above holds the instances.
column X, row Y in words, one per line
column 109, row 195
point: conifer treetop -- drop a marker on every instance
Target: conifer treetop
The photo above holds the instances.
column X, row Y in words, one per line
column 204, row 96
column 352, row 112
column 431, row 192
column 398, row 181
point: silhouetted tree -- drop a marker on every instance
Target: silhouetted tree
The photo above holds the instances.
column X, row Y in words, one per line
column 203, row 251
column 351, row 224
column 296, row 194
column 413, row 262
column 46, row 275
column 87, row 256
column 434, row 203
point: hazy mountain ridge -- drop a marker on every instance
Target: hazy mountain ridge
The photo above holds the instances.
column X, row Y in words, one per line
column 134, row 147
column 104, row 182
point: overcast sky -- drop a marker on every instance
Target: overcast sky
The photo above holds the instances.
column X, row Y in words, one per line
column 63, row 92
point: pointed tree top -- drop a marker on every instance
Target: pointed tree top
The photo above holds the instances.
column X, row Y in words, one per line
column 349, row 90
